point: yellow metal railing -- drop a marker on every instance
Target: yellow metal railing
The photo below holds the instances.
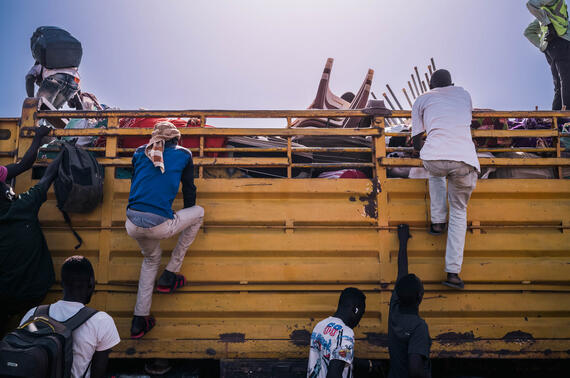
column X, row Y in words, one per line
column 378, row 151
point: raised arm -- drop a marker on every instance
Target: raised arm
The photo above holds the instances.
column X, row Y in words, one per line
column 188, row 187
column 30, row 156
column 51, row 172
column 32, row 78
column 403, row 236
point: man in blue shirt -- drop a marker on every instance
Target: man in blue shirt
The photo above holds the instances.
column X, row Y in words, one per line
column 159, row 168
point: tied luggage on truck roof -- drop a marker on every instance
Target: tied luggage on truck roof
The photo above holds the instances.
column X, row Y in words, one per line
column 54, row 47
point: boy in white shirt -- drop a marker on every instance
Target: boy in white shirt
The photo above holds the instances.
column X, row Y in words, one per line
column 332, row 340
column 93, row 340
column 444, row 114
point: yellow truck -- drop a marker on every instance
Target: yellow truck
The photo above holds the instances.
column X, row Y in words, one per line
column 274, row 253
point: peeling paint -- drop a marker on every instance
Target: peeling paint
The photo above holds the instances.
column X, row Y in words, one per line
column 371, row 206
column 456, row 338
column 518, row 336
column 300, row 337
column 352, row 199
column 130, row 351
column 377, row 339
column 232, row 337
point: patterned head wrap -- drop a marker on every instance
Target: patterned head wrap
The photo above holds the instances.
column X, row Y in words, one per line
column 163, row 131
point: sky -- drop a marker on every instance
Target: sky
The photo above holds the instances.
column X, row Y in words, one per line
column 224, row 54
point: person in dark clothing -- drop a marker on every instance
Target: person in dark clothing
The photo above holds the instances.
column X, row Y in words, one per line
column 409, row 342
column 550, row 33
column 26, row 268
column 10, row 171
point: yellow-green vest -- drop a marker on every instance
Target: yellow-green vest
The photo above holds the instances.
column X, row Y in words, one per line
column 558, row 16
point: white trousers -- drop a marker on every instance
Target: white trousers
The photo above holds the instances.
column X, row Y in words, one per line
column 187, row 222
column 462, row 180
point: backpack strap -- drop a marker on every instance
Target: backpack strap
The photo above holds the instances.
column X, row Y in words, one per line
column 68, row 221
column 42, row 310
column 81, row 317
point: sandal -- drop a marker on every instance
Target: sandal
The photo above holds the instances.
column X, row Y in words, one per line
column 454, row 281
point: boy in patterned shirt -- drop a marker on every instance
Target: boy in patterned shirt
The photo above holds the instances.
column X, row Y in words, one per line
column 332, row 340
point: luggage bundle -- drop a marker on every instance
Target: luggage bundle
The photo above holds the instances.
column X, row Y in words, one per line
column 79, row 184
column 54, row 47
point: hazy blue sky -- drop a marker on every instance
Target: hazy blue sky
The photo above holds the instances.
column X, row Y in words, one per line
column 182, row 54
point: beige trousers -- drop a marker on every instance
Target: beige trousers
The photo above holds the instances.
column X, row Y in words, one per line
column 462, row 179
column 187, row 222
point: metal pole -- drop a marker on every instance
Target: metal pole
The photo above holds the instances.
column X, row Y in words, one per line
column 394, row 96
column 415, row 84
column 407, row 97
column 390, row 104
column 433, row 64
column 411, row 89
column 427, row 79
column 419, row 80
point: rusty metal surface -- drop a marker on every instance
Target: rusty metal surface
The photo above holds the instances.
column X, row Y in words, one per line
column 273, row 255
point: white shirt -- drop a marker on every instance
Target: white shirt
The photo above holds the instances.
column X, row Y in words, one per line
column 97, row 334
column 38, row 70
column 445, row 115
column 331, row 340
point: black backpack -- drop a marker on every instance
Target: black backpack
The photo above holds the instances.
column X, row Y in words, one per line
column 54, row 47
column 42, row 346
column 79, row 183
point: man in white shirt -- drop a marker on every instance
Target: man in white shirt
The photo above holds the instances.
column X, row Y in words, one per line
column 444, row 114
column 57, row 85
column 93, row 340
column 332, row 340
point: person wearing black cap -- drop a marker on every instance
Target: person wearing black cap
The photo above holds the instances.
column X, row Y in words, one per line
column 444, row 114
